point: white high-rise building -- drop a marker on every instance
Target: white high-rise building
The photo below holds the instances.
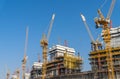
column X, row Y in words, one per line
column 14, row 76
column 27, row 75
column 59, row 50
column 115, row 36
column 36, row 71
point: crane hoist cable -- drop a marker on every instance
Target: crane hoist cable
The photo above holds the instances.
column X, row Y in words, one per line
column 111, row 9
column 103, row 4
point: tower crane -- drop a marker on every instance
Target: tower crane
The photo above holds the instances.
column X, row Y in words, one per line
column 24, row 61
column 104, row 24
column 8, row 74
column 18, row 73
column 95, row 44
column 44, row 45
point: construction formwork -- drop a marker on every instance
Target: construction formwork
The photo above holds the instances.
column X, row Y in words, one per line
column 36, row 71
column 82, row 75
column 98, row 61
column 115, row 36
column 86, row 75
column 63, row 61
column 62, row 66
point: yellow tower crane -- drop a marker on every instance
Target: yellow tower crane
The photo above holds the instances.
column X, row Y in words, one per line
column 44, row 45
column 24, row 61
column 104, row 24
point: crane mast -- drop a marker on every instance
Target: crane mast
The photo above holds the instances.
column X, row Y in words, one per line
column 104, row 23
column 44, row 45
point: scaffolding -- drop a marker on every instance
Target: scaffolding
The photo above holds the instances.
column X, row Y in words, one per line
column 72, row 62
column 98, row 60
column 63, row 61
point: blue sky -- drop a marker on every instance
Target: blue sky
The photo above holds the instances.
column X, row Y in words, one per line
column 16, row 15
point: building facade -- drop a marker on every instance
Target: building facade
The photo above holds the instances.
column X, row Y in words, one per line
column 63, row 61
column 36, row 71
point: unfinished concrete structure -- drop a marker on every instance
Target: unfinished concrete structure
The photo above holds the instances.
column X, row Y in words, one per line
column 98, row 61
column 115, row 37
column 60, row 64
column 36, row 71
column 63, row 61
column 98, row 58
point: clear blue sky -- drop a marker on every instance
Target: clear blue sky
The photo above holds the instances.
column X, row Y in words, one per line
column 15, row 15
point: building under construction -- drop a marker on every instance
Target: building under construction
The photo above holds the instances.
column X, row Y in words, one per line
column 104, row 58
column 36, row 70
column 98, row 58
column 60, row 62
column 63, row 61
column 57, row 66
